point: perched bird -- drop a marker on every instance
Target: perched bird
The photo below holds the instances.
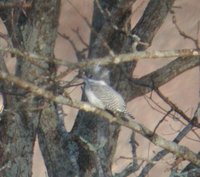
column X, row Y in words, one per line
column 103, row 96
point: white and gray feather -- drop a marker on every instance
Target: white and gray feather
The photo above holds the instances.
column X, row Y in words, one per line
column 101, row 95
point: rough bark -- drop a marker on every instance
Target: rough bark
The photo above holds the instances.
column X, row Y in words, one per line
column 150, row 22
column 89, row 149
column 35, row 33
column 152, row 19
column 161, row 76
column 94, row 129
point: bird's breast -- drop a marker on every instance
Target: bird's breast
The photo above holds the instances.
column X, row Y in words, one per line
column 93, row 99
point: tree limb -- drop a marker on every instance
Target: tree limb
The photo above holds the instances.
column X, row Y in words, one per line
column 177, row 150
column 16, row 4
column 164, row 152
column 139, row 86
column 117, row 59
column 161, row 76
column 151, row 21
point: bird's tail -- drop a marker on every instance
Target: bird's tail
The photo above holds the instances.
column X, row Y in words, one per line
column 129, row 115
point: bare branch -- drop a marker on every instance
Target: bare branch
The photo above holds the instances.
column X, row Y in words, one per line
column 160, row 109
column 21, row 4
column 154, row 131
column 35, row 59
column 132, row 167
column 163, row 153
column 80, row 54
column 70, row 41
column 90, row 26
column 76, row 31
column 128, row 170
column 177, row 150
column 182, row 33
column 162, row 75
column 172, row 105
column 32, row 58
column 164, row 111
column 152, row 19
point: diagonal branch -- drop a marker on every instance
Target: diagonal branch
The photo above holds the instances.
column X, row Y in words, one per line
column 152, row 19
column 187, row 59
column 163, row 153
column 163, row 75
column 117, row 59
column 177, row 150
column 172, row 105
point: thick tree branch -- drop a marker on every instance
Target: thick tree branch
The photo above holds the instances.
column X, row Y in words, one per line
column 108, row 23
column 177, row 150
column 151, row 21
column 161, row 76
column 141, row 85
column 36, row 59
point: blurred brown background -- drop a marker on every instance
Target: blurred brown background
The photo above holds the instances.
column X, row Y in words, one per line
column 183, row 91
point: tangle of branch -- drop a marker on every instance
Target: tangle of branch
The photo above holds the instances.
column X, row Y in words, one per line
column 177, row 150
column 108, row 59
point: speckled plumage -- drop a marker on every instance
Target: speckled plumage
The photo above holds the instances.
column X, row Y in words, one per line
column 101, row 95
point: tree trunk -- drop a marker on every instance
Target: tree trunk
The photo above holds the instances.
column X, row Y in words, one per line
column 20, row 121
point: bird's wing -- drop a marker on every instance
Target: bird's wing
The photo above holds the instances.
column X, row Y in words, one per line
column 112, row 100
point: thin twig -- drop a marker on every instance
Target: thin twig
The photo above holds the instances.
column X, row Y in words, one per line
column 79, row 53
column 177, row 150
column 154, row 131
column 172, row 105
column 108, row 59
column 70, row 41
column 182, row 33
column 162, row 110
column 160, row 155
column 131, row 168
column 170, row 115
column 76, row 31
column 111, row 52
column 136, row 158
column 163, row 153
